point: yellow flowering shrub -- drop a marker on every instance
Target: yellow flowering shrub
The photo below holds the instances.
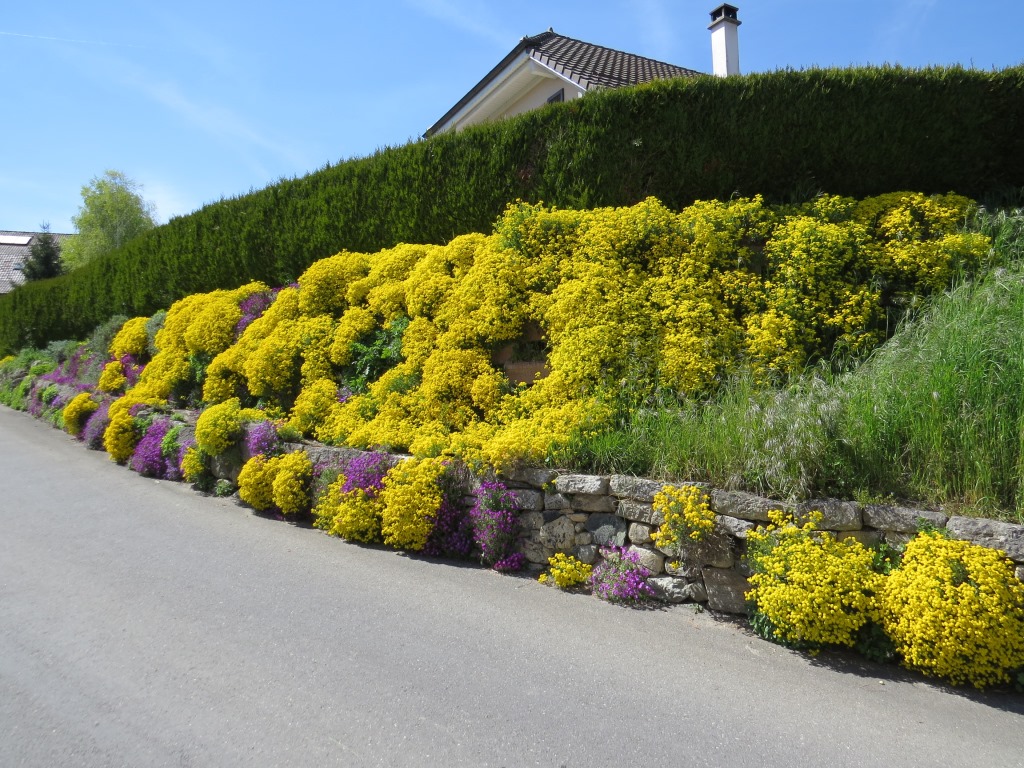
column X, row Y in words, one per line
column 809, row 589
column 688, row 516
column 565, row 571
column 409, row 502
column 359, row 517
column 112, row 379
column 120, row 437
column 324, row 286
column 131, row 339
column 256, row 482
column 77, row 411
column 219, row 426
column 955, row 610
column 292, row 475
column 193, row 464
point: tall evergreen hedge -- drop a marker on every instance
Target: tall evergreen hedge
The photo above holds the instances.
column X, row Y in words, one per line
column 785, row 135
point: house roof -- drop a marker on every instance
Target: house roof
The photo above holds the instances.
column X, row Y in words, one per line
column 15, row 247
column 590, row 66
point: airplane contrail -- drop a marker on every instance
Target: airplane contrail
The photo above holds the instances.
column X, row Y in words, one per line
column 68, row 40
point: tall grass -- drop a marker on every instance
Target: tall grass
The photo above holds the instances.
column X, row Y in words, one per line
column 935, row 415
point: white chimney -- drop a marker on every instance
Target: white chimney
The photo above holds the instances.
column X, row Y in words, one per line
column 725, row 40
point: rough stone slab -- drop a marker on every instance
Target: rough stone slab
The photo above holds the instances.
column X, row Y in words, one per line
column 586, row 553
column 683, row 570
column 639, row 512
column 582, row 539
column 733, row 526
column 715, row 551
column 227, row 465
column 836, row 515
column 589, row 502
column 559, row 534
column 745, row 506
column 896, row 538
column 327, row 455
column 990, row 533
column 556, row 501
column 532, row 501
column 531, row 521
column 578, row 517
column 1020, row 573
column 634, row 488
column 607, row 530
column 902, row 519
column 536, row 477
column 673, row 590
column 536, row 552
column 726, row 589
column 581, row 484
column 639, row 533
column 650, row 559
column 867, row 538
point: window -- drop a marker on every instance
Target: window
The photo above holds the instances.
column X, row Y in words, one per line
column 557, row 98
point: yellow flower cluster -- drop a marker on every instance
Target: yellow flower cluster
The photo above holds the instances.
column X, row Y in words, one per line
column 193, row 464
column 77, row 411
column 120, row 437
column 565, row 571
column 409, row 502
column 687, row 514
column 219, row 426
column 131, row 339
column 955, row 610
column 355, row 515
column 813, row 589
column 278, row 481
column 112, row 379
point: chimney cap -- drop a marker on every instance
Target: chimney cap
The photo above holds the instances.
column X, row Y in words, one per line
column 725, row 13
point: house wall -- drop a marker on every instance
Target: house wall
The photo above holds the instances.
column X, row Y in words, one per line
column 538, row 96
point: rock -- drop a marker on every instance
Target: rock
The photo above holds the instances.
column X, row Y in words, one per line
column 745, row 506
column 533, row 476
column 836, row 515
column 607, row 530
column 677, row 590
column 867, row 538
column 531, row 521
column 902, row 519
column 586, row 553
column 578, row 517
column 587, row 502
column 559, row 534
column 683, row 570
column 1020, row 573
column 649, row 559
column 227, row 465
column 639, row 533
column 639, row 512
column 582, row 539
column 556, row 501
column 593, row 484
column 716, row 551
column 733, row 526
column 634, row 488
column 1007, row 537
column 529, row 500
column 535, row 552
column 324, row 455
column 726, row 589
column 895, row 538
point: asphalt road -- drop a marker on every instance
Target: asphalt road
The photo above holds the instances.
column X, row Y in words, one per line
column 144, row 625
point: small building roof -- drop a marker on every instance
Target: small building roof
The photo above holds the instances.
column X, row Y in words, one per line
column 590, row 66
column 15, row 247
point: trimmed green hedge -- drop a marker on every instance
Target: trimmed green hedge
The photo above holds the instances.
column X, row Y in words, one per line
column 785, row 135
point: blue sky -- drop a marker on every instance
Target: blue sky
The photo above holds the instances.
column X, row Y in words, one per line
column 202, row 100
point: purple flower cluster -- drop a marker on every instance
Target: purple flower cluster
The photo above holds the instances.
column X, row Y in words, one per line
column 495, row 524
column 261, row 437
column 452, row 534
column 620, row 578
column 511, row 564
column 69, row 372
column 148, row 458
column 95, row 426
column 132, row 369
column 366, row 473
column 253, row 308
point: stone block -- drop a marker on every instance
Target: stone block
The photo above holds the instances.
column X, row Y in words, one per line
column 993, row 534
column 593, row 484
column 227, row 465
column 733, row 526
column 683, row 570
column 634, row 488
column 559, row 534
column 532, row 501
column 607, row 530
column 1020, row 573
column 867, row 538
column 650, row 559
column 673, row 590
column 531, row 521
column 639, row 512
column 639, row 533
column 586, row 553
column 588, row 502
column 535, row 552
column 836, row 515
column 745, row 506
column 726, row 589
column 536, row 477
column 716, row 551
column 896, row 538
column 582, row 539
column 556, row 501
column 578, row 517
column 902, row 519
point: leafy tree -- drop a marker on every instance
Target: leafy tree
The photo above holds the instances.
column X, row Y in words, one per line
column 112, row 213
column 44, row 257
